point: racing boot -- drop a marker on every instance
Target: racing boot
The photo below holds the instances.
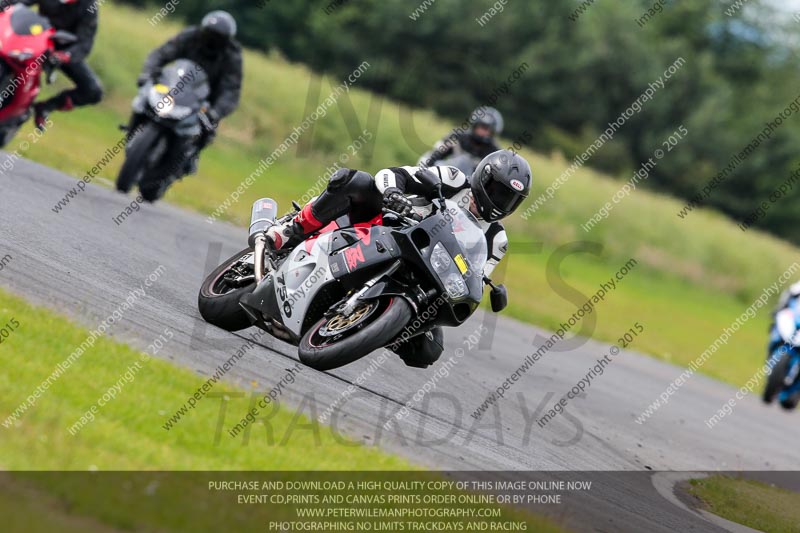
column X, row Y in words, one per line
column 423, row 350
column 293, row 232
column 190, row 166
column 42, row 110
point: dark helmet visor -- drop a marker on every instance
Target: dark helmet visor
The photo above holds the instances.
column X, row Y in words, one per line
column 504, row 198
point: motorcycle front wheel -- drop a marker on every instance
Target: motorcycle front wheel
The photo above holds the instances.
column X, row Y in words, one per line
column 137, row 154
column 168, row 170
column 340, row 340
column 775, row 379
column 7, row 134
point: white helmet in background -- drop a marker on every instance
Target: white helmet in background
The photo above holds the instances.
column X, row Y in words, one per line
column 791, row 292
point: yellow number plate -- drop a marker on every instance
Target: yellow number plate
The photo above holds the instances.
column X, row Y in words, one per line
column 461, row 263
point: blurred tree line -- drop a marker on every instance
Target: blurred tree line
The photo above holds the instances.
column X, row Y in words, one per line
column 740, row 71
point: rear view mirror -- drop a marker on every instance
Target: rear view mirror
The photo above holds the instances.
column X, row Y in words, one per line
column 499, row 298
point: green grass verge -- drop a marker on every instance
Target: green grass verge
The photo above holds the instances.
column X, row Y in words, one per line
column 127, row 434
column 750, row 503
column 695, row 275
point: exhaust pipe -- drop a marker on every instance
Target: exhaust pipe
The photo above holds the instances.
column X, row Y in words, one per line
column 259, row 249
column 261, row 219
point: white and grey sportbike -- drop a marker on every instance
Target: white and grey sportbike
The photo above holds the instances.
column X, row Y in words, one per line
column 350, row 289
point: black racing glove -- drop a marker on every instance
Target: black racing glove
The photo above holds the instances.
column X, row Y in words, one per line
column 394, row 199
column 213, row 116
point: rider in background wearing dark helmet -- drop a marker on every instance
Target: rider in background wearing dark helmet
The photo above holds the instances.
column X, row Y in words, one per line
column 485, row 124
column 213, row 46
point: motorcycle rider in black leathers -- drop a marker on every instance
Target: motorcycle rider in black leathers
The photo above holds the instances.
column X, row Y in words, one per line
column 78, row 17
column 485, row 124
column 498, row 186
column 214, row 47
column 789, row 299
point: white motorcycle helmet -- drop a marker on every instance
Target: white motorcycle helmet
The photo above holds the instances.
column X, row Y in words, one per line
column 791, row 292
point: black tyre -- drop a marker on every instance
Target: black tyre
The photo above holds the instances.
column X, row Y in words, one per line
column 338, row 341
column 791, row 402
column 218, row 302
column 7, row 135
column 775, row 380
column 137, row 155
column 153, row 189
column 158, row 180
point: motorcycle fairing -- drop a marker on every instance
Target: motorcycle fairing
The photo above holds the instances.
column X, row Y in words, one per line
column 299, row 279
column 25, row 36
column 358, row 248
column 28, row 22
column 327, row 258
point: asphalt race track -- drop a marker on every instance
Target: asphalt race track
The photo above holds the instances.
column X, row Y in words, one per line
column 81, row 263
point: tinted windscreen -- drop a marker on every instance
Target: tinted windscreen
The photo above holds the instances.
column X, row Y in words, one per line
column 187, row 79
column 27, row 22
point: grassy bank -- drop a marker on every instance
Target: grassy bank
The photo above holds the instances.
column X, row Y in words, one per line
column 750, row 503
column 694, row 276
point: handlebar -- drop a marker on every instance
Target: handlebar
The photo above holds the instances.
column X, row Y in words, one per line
column 49, row 68
column 206, row 121
column 410, row 220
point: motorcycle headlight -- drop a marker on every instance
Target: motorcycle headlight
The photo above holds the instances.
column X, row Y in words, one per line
column 456, row 288
column 440, row 259
column 164, row 104
column 160, row 99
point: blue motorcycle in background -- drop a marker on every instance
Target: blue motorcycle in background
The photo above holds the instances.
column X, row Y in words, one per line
column 784, row 356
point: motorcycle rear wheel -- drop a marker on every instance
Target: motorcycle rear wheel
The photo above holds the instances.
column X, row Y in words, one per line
column 337, row 341
column 219, row 303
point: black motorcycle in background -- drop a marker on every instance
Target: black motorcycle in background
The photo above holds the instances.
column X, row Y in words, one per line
column 168, row 117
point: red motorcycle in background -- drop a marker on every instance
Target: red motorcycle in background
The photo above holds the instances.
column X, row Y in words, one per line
column 27, row 41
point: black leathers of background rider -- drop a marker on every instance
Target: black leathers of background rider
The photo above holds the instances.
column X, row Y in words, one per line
column 223, row 66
